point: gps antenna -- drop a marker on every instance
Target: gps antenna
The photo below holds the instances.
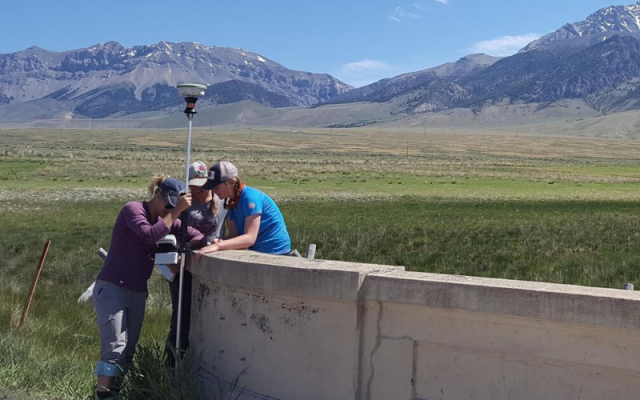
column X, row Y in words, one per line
column 191, row 92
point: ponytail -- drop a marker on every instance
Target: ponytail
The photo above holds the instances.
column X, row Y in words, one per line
column 214, row 204
column 155, row 182
column 238, row 185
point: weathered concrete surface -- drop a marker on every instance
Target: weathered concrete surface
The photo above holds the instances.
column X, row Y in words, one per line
column 312, row 329
column 291, row 322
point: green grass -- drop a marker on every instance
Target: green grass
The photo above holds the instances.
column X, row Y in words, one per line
column 363, row 185
column 601, row 170
column 445, row 187
column 59, row 340
column 553, row 210
column 584, row 243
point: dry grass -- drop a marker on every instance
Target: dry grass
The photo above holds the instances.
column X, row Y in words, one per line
column 281, row 156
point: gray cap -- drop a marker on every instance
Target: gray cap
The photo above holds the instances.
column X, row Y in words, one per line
column 197, row 174
column 220, row 172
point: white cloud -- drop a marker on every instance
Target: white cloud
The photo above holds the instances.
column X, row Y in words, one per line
column 443, row 1
column 504, row 45
column 399, row 14
column 361, row 73
column 364, row 72
column 363, row 66
column 420, row 6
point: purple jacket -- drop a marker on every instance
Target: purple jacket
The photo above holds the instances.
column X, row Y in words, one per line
column 133, row 246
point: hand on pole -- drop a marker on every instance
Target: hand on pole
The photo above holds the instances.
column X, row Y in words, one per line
column 184, row 202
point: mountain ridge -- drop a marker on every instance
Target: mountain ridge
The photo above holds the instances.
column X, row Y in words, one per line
column 440, row 76
column 592, row 64
column 599, row 63
column 122, row 74
column 597, row 27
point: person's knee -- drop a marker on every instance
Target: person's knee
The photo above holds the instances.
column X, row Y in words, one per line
column 113, row 335
column 115, row 351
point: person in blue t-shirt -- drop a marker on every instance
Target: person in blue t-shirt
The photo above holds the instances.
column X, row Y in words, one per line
column 254, row 219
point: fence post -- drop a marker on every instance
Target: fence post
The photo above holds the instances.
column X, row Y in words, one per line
column 35, row 282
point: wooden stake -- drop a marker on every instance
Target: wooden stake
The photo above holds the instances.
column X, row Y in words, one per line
column 35, row 282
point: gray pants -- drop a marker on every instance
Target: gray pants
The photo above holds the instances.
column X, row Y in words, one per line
column 120, row 315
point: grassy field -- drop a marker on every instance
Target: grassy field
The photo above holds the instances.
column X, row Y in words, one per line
column 545, row 209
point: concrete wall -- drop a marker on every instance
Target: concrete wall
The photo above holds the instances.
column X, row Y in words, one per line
column 311, row 329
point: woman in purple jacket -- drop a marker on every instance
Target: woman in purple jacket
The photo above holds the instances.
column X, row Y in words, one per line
column 120, row 292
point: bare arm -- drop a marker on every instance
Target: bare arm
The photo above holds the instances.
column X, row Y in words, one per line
column 246, row 240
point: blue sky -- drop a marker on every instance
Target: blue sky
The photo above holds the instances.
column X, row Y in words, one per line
column 355, row 40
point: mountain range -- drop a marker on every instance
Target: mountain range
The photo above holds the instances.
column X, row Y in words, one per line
column 596, row 61
column 591, row 67
column 108, row 80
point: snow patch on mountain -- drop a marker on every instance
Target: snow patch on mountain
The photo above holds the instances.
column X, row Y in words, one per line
column 604, row 23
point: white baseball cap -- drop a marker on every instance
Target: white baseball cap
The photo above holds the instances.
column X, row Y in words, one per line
column 197, row 173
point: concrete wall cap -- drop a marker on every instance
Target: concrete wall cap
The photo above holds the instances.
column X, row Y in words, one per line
column 547, row 301
column 511, row 284
column 300, row 262
column 293, row 276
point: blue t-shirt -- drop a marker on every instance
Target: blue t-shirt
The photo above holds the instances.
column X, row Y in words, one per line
column 273, row 237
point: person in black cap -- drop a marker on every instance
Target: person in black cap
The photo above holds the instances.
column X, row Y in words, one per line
column 254, row 220
column 120, row 292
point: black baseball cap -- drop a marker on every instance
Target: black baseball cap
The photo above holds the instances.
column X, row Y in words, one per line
column 220, row 172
